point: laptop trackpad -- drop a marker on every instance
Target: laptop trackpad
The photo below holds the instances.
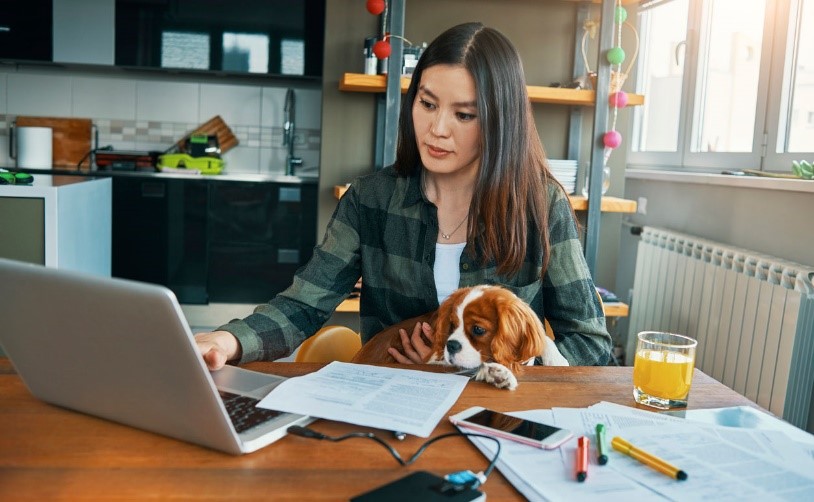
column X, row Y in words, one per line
column 246, row 382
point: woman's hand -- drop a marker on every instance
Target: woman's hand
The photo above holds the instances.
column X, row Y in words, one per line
column 417, row 347
column 217, row 347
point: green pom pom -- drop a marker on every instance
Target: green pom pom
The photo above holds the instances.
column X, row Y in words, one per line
column 620, row 15
column 616, row 55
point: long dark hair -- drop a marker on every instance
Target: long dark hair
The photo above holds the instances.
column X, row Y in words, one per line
column 513, row 175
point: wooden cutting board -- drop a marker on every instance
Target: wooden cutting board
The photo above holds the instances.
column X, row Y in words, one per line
column 214, row 127
column 72, row 138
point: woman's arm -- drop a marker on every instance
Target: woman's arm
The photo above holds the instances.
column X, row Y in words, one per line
column 570, row 301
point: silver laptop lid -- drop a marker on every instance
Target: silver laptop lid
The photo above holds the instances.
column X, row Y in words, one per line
column 116, row 349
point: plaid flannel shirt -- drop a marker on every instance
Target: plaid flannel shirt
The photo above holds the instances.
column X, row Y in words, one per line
column 384, row 230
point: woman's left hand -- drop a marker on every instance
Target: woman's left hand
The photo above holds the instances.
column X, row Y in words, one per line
column 417, row 346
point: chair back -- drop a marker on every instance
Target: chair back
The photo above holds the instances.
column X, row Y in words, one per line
column 331, row 343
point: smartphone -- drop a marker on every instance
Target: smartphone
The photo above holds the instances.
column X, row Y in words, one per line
column 505, row 426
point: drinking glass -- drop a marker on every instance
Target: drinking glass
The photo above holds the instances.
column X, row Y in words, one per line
column 662, row 370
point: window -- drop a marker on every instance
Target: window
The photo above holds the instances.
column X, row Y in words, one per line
column 292, row 55
column 185, row 50
column 245, row 52
column 728, row 84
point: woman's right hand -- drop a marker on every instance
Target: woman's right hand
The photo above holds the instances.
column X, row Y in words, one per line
column 217, row 348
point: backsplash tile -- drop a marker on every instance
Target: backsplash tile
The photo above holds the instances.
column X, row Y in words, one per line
column 38, row 94
column 238, row 105
column 2, row 93
column 104, row 98
column 167, row 101
column 152, row 114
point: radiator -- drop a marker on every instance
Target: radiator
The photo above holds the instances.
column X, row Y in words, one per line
column 752, row 314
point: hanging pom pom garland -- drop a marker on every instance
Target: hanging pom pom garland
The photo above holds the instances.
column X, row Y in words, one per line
column 382, row 47
column 375, row 7
column 616, row 56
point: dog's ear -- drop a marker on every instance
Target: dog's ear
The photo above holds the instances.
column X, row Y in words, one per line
column 442, row 326
column 520, row 334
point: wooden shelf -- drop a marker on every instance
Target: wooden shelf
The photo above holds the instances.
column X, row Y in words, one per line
column 359, row 82
column 578, row 202
column 616, row 309
column 609, row 204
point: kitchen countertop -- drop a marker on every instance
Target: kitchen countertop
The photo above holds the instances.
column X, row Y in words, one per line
column 242, row 177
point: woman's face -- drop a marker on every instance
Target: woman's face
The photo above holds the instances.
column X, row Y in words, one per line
column 445, row 117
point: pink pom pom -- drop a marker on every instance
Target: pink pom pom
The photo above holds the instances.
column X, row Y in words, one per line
column 612, row 139
column 375, row 7
column 618, row 99
column 382, row 49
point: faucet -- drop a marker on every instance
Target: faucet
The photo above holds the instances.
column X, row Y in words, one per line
column 288, row 133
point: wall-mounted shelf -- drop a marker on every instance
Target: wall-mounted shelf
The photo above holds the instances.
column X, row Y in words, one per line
column 616, row 309
column 578, row 202
column 359, row 82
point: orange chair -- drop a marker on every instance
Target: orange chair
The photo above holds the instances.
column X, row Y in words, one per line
column 331, row 343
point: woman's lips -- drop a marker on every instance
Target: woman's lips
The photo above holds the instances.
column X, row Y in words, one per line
column 437, row 152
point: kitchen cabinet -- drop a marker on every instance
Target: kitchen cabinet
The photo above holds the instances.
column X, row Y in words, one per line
column 260, row 234
column 58, row 221
column 211, row 239
column 272, row 37
column 26, row 30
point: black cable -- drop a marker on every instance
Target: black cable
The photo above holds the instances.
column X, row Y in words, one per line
column 311, row 433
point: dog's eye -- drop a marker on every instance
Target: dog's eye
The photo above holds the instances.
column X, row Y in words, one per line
column 478, row 330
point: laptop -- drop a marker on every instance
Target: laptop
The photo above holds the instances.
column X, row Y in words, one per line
column 123, row 351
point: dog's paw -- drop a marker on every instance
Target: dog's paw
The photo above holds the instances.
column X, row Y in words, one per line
column 497, row 375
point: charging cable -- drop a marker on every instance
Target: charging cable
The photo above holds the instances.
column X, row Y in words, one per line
column 461, row 478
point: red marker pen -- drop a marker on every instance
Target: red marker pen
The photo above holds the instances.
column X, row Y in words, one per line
column 582, row 458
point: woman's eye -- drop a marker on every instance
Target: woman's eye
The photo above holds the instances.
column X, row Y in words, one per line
column 478, row 330
column 426, row 104
column 466, row 117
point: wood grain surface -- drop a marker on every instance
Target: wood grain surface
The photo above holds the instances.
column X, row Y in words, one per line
column 71, row 138
column 48, row 453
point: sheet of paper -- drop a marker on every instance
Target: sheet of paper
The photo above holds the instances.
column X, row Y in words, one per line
column 722, row 462
column 544, row 475
column 717, row 469
column 767, row 436
column 387, row 398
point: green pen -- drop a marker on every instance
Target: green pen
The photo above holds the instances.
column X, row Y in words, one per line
column 600, row 445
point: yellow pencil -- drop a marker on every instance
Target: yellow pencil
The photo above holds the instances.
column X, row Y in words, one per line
column 648, row 459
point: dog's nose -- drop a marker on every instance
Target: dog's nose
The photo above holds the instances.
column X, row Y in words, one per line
column 453, row 346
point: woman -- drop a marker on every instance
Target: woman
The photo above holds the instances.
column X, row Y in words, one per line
column 468, row 201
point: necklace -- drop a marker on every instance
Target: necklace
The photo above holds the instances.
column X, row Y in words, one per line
column 449, row 235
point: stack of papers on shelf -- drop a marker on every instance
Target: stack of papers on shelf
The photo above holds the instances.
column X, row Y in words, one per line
column 721, row 462
column 565, row 171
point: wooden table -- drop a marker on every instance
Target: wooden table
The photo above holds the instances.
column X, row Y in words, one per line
column 48, row 453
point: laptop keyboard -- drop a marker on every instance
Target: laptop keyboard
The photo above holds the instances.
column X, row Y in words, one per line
column 244, row 413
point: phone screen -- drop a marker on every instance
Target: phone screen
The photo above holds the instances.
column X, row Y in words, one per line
column 512, row 425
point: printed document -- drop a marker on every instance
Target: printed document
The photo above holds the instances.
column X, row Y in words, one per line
column 394, row 399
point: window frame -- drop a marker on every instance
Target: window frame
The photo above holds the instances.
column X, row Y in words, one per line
column 772, row 106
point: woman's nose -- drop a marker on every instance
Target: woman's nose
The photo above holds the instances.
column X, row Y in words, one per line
column 440, row 125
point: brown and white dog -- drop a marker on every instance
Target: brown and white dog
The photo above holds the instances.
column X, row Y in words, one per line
column 483, row 327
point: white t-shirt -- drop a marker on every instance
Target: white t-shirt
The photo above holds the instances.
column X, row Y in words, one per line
column 446, row 268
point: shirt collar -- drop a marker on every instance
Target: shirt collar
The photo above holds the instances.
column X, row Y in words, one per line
column 414, row 193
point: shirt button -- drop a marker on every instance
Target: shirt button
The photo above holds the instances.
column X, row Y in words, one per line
column 465, row 266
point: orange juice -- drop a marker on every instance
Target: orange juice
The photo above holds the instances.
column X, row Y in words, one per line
column 663, row 374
